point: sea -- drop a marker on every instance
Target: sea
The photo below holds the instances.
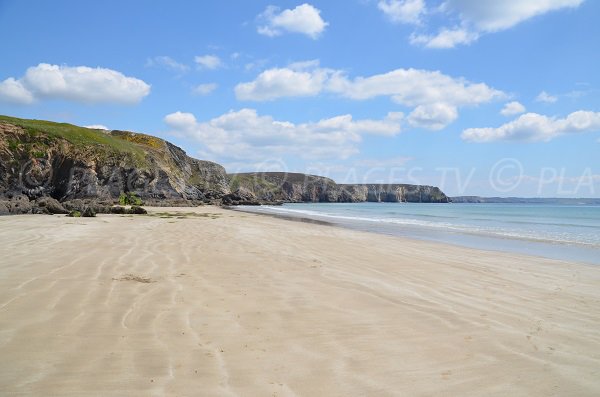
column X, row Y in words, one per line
column 564, row 232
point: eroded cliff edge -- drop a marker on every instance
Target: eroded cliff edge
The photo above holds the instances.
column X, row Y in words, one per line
column 48, row 167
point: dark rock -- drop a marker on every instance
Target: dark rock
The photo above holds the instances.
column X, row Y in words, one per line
column 117, row 210
column 137, row 210
column 241, row 196
column 52, row 206
column 88, row 213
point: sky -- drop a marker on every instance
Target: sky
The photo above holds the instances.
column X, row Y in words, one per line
column 492, row 98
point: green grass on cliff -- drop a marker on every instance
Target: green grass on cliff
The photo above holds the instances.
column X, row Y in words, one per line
column 79, row 136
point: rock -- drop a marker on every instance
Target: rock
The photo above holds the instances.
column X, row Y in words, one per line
column 117, row 210
column 137, row 210
column 19, row 204
column 4, row 208
column 88, row 212
column 241, row 196
column 74, row 214
column 51, row 205
column 53, row 164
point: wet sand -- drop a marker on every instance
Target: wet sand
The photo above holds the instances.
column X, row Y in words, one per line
column 212, row 302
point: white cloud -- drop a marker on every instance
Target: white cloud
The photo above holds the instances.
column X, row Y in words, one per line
column 403, row 11
column 545, row 97
column 446, row 38
column 276, row 83
column 78, row 83
column 467, row 20
column 96, row 127
column 434, row 116
column 245, row 135
column 167, row 63
column 181, row 121
column 532, row 127
column 493, row 16
column 512, row 108
column 438, row 96
column 208, row 61
column 13, row 91
column 414, row 87
column 304, row 19
column 204, row 89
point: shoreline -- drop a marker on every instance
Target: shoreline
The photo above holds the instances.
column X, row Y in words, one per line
column 227, row 302
column 542, row 248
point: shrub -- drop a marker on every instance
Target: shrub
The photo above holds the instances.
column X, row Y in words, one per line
column 129, row 199
column 74, row 214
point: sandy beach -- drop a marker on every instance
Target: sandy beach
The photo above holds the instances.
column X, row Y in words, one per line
column 213, row 302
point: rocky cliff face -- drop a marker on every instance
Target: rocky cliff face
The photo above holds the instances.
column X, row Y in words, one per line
column 68, row 163
column 291, row 187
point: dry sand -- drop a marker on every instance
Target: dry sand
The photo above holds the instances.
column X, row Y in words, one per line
column 225, row 303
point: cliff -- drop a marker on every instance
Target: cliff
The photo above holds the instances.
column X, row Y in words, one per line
column 48, row 167
column 79, row 166
column 293, row 187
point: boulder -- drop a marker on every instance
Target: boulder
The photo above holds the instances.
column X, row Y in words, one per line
column 51, row 205
column 137, row 210
column 88, row 212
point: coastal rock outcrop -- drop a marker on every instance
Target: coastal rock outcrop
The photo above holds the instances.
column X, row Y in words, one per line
column 42, row 160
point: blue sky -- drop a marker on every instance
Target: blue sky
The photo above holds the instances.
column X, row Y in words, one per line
column 483, row 98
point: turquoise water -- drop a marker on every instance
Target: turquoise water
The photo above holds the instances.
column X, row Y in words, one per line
column 567, row 232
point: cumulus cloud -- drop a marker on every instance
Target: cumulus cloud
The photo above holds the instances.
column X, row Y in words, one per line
column 13, row 91
column 208, row 61
column 204, row 89
column 167, row 62
column 297, row 80
column 78, row 83
column 304, row 19
column 532, row 127
column 437, row 96
column 403, row 11
column 434, row 116
column 445, row 38
column 246, row 135
column 545, row 97
column 467, row 20
column 512, row 108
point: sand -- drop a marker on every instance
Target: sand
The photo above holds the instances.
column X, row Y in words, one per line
column 219, row 303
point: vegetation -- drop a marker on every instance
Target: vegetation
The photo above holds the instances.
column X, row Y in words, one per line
column 129, row 199
column 74, row 214
column 83, row 137
column 140, row 139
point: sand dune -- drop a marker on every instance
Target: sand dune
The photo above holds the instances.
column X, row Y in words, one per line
column 219, row 303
